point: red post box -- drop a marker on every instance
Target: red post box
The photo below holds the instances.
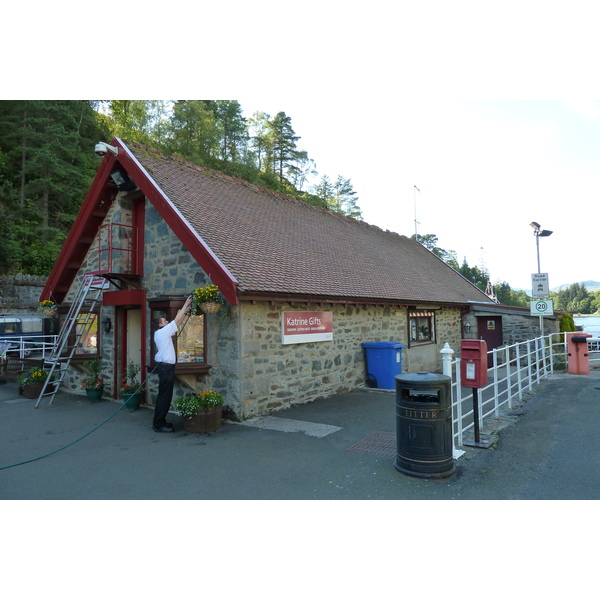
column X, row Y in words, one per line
column 473, row 363
column 577, row 353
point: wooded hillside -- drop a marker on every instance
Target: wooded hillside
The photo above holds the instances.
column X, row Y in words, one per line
column 47, row 162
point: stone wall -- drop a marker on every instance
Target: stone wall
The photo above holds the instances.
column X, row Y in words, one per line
column 517, row 328
column 20, row 292
column 275, row 375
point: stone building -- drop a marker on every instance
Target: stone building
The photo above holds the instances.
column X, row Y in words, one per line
column 501, row 325
column 305, row 287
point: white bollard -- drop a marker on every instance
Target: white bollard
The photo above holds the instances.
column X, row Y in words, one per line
column 447, row 354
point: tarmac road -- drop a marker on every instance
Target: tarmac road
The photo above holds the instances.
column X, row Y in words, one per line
column 318, row 451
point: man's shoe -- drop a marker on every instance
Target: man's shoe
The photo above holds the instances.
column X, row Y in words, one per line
column 166, row 428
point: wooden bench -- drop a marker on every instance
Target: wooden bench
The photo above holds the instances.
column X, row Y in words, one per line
column 11, row 367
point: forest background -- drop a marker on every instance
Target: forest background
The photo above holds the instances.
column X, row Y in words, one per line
column 47, row 166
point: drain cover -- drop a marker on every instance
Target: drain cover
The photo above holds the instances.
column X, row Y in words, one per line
column 378, row 443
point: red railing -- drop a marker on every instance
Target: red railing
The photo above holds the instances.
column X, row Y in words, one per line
column 117, row 249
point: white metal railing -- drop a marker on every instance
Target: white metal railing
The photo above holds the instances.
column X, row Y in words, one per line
column 26, row 345
column 594, row 350
column 515, row 370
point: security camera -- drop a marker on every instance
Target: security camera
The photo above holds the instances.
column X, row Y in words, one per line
column 102, row 148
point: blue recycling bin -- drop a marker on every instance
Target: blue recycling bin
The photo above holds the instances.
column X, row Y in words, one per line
column 384, row 362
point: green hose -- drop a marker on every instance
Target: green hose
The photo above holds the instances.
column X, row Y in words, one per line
column 24, row 462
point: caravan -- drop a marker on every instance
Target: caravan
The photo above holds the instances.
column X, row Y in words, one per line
column 24, row 333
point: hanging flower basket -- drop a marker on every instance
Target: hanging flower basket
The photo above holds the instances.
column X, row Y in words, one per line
column 210, row 308
column 207, row 299
column 48, row 308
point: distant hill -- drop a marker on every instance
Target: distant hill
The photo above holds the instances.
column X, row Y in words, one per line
column 590, row 286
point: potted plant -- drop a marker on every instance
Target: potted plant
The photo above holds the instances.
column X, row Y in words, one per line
column 32, row 382
column 47, row 308
column 207, row 299
column 201, row 411
column 93, row 384
column 132, row 391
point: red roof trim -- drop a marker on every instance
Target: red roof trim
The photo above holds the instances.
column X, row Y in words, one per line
column 194, row 244
column 94, row 209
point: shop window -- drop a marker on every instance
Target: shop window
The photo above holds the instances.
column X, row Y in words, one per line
column 87, row 346
column 421, row 327
column 190, row 341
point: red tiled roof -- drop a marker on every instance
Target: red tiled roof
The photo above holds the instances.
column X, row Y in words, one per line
column 275, row 244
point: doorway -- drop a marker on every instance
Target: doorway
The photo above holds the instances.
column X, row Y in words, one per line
column 489, row 329
column 132, row 346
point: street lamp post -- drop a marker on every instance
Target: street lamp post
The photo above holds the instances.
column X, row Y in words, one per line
column 538, row 232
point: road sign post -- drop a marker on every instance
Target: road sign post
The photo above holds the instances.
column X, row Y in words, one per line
column 539, row 285
column 541, row 308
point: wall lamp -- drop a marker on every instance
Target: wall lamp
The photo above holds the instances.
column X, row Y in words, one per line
column 467, row 327
column 122, row 180
column 107, row 324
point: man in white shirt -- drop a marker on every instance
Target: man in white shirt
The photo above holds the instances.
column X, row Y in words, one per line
column 166, row 359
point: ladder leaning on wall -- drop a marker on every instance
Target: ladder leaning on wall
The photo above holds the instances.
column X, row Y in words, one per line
column 74, row 328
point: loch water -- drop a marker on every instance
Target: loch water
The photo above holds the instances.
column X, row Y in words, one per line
column 589, row 324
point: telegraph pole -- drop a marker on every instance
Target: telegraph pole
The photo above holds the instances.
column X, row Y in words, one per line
column 416, row 189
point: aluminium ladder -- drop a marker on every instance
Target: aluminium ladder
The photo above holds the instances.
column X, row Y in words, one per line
column 66, row 344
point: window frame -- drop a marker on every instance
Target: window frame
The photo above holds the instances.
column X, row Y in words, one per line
column 81, row 356
column 170, row 306
column 415, row 315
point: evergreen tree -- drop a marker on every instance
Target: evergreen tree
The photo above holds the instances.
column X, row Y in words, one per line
column 234, row 136
column 345, row 200
column 338, row 196
column 474, row 275
column 506, row 295
column 430, row 241
column 259, row 138
column 567, row 323
column 137, row 120
column 47, row 167
column 283, row 140
column 574, row 299
column 302, row 171
column 195, row 133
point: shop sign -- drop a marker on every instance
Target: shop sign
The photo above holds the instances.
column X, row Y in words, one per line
column 301, row 327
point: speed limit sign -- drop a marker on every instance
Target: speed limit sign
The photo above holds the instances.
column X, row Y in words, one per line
column 542, row 308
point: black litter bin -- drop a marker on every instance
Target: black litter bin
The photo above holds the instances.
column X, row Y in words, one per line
column 424, row 425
